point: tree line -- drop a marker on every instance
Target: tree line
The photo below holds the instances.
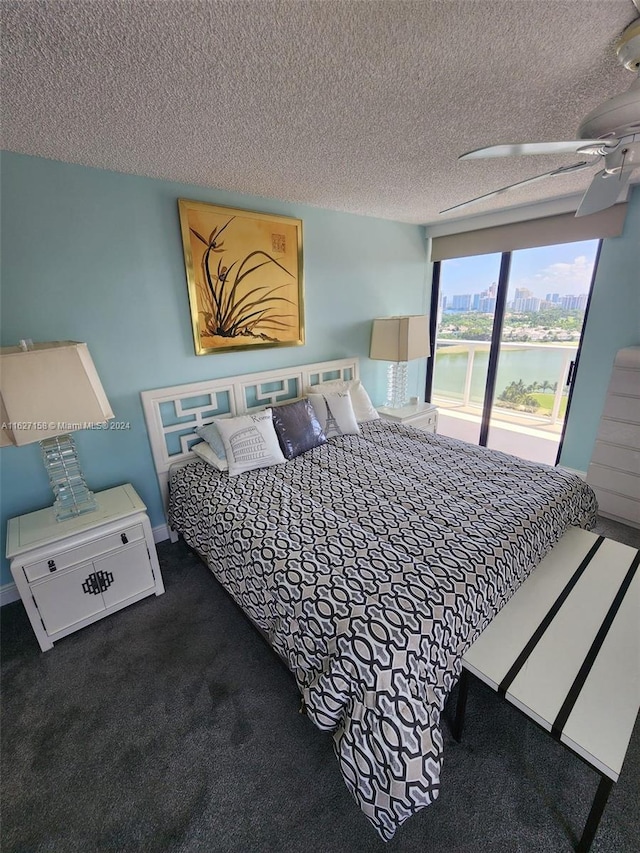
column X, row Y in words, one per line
column 517, row 395
column 474, row 326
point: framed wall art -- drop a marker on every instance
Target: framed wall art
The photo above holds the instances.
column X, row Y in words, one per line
column 244, row 274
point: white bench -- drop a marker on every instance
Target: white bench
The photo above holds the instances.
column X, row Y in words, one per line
column 565, row 650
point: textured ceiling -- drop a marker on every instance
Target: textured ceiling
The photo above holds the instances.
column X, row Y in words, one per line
column 354, row 105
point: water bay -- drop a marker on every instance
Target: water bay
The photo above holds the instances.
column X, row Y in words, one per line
column 530, row 365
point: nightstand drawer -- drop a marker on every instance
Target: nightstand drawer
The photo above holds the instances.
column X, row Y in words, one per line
column 427, row 423
column 422, row 416
column 84, row 553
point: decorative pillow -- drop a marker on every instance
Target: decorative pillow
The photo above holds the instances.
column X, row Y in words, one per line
column 209, row 455
column 211, row 435
column 362, row 406
column 335, row 413
column 250, row 441
column 298, row 428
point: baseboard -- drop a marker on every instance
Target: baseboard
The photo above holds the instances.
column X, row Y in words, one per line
column 620, row 520
column 8, row 594
column 160, row 533
column 581, row 474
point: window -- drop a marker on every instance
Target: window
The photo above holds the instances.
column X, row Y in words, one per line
column 507, row 334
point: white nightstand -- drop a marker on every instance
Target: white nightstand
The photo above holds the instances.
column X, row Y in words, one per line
column 422, row 416
column 72, row 573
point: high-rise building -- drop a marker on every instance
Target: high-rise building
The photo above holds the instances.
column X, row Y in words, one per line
column 574, row 303
column 461, row 302
column 525, row 301
column 522, row 293
column 487, row 304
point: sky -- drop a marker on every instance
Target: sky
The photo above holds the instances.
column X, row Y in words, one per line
column 565, row 269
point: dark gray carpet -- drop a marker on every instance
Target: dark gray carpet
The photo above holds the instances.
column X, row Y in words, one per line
column 171, row 726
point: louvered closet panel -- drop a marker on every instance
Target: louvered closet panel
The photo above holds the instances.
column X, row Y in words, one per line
column 614, row 472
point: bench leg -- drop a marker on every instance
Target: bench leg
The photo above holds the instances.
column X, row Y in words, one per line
column 463, row 690
column 591, row 826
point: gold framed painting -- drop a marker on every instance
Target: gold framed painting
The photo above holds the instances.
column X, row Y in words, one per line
column 244, row 274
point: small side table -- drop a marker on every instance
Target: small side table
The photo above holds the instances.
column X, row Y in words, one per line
column 72, row 573
column 422, row 416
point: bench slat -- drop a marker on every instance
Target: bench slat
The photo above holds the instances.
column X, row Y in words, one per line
column 599, row 727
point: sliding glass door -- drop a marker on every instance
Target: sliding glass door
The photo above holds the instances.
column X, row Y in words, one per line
column 508, row 333
column 465, row 314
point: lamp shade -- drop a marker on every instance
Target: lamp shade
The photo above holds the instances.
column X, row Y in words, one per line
column 49, row 390
column 400, row 338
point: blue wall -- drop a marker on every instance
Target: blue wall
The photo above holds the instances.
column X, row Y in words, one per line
column 613, row 323
column 96, row 256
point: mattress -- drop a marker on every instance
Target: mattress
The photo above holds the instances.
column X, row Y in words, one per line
column 371, row 563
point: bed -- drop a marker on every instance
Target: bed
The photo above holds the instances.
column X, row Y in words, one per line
column 370, row 563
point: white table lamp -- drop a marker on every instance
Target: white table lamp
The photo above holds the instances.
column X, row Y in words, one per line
column 47, row 391
column 399, row 340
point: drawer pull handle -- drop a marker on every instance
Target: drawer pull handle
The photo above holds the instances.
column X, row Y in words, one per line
column 97, row 582
column 92, row 585
column 123, row 536
column 52, row 565
column 105, row 579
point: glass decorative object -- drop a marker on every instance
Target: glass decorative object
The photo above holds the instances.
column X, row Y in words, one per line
column 72, row 495
column 397, row 385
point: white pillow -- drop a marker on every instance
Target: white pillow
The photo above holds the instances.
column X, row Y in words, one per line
column 209, row 455
column 335, row 413
column 250, row 441
column 362, row 406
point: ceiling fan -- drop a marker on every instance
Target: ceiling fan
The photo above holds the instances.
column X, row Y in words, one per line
column 611, row 131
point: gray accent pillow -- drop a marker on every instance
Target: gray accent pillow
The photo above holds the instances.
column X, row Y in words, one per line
column 297, row 428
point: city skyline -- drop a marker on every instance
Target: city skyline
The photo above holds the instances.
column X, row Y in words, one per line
column 522, row 301
column 564, row 270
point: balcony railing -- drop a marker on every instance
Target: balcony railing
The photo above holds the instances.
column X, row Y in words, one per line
column 551, row 360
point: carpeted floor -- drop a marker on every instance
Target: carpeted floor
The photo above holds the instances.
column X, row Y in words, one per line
column 171, row 726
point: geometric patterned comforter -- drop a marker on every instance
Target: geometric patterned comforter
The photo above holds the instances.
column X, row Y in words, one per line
column 372, row 563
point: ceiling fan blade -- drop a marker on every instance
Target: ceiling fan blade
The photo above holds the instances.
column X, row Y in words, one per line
column 603, row 191
column 518, row 148
column 562, row 170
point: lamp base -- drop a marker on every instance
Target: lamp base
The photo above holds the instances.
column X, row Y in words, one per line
column 397, row 385
column 72, row 496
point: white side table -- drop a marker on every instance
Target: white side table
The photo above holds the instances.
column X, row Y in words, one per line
column 72, row 573
column 422, row 416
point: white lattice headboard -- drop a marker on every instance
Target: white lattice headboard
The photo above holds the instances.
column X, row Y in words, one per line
column 173, row 413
